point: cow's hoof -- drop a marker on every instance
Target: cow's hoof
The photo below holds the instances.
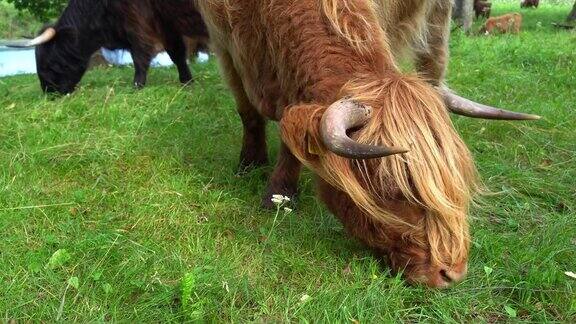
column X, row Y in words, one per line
column 248, row 164
column 244, row 169
column 187, row 82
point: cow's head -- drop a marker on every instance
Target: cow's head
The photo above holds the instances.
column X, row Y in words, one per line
column 394, row 170
column 60, row 60
column 60, row 63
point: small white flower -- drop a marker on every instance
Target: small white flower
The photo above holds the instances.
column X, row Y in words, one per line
column 288, row 210
column 279, row 199
column 225, row 286
column 304, row 298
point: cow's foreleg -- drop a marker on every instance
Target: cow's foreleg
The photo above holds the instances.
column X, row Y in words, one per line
column 284, row 179
column 432, row 61
column 254, row 152
column 142, row 59
column 176, row 49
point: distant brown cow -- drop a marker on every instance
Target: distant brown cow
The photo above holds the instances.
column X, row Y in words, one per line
column 529, row 3
column 482, row 8
column 509, row 23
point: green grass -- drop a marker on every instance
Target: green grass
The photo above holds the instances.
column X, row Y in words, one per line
column 122, row 205
column 15, row 24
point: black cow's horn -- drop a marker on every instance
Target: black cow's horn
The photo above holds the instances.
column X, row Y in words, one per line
column 45, row 37
column 342, row 116
column 469, row 108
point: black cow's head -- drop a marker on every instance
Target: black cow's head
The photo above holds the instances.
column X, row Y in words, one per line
column 62, row 57
column 60, row 61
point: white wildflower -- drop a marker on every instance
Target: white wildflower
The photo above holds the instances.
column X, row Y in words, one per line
column 279, row 199
column 225, row 286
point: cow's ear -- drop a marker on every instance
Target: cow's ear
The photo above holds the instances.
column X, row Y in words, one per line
column 313, row 145
column 300, row 129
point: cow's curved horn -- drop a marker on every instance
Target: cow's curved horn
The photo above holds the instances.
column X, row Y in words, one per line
column 342, row 116
column 469, row 108
column 43, row 38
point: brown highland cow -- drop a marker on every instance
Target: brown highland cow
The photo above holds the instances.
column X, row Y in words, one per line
column 388, row 161
column 505, row 24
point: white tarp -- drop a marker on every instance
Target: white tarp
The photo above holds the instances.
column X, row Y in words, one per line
column 123, row 57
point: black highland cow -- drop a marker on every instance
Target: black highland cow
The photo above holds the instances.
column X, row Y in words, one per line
column 144, row 27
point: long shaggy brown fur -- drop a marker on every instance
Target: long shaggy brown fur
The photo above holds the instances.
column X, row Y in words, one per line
column 403, row 21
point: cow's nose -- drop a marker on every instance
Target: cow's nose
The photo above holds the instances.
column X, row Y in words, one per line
column 446, row 277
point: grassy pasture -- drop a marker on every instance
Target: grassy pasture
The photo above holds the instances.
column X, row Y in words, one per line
column 122, row 205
